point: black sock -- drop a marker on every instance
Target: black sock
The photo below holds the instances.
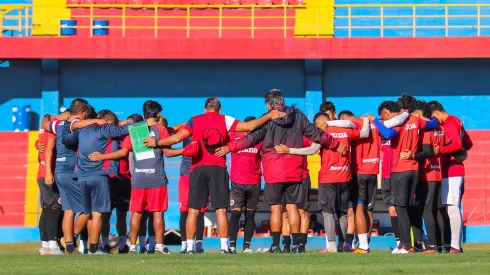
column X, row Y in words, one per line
column 83, row 235
column 200, row 227
column 395, row 227
column 70, row 247
column 444, row 224
column 93, row 248
column 43, row 221
column 303, row 238
column 52, row 226
column 415, row 215
column 182, row 221
column 286, row 241
column 249, row 228
column 349, row 238
column 233, row 227
column 296, row 238
column 276, row 237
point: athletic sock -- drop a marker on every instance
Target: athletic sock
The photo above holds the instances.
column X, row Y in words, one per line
column 83, row 246
column 200, row 227
column 142, row 240
column 233, row 227
column 70, row 247
column 286, row 240
column 44, row 244
column 151, row 242
column 182, row 221
column 249, row 228
column 183, row 246
column 304, row 238
column 198, row 244
column 276, row 237
column 296, row 238
column 363, row 241
column 224, row 243
column 105, row 240
column 132, row 247
column 456, row 225
column 122, row 242
column 329, row 222
column 349, row 238
column 159, row 246
column 343, row 223
column 93, row 247
column 53, row 244
column 396, row 229
column 190, row 245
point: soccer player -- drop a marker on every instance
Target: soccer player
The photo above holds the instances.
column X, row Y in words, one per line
column 428, row 193
column 328, row 108
column 283, row 174
column 66, row 159
column 50, row 198
column 93, row 177
column 456, row 144
column 334, row 175
column 245, row 176
column 209, row 176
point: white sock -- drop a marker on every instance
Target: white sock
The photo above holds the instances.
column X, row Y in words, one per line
column 184, row 246
column 142, row 241
column 105, row 241
column 224, row 243
column 122, row 241
column 82, row 246
column 151, row 242
column 132, row 247
column 198, row 244
column 159, row 246
column 326, row 241
column 363, row 241
column 456, row 225
column 44, row 244
column 52, row 244
column 190, row 245
column 397, row 243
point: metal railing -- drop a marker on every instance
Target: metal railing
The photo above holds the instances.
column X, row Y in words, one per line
column 347, row 20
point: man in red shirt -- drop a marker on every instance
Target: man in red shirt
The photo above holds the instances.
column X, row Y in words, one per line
column 209, row 177
column 334, row 175
column 245, row 176
column 456, row 143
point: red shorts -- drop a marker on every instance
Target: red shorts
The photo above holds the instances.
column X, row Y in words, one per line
column 149, row 199
column 184, row 195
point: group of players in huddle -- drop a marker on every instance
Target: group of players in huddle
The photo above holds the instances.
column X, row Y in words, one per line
column 87, row 169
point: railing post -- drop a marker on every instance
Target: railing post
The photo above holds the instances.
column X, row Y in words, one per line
column 19, row 19
column 123, row 24
column 59, row 21
column 253, row 22
column 478, row 18
column 285, row 18
column 26, row 16
column 156, row 21
column 188, row 21
column 414, row 18
column 220, row 23
column 382, row 18
column 349, row 17
column 447, row 20
column 92, row 20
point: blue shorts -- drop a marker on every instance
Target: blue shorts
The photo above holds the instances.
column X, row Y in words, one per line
column 70, row 194
column 96, row 195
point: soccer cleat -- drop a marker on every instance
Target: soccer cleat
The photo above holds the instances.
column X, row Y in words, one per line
column 107, row 248
column 98, row 252
column 455, row 251
column 247, row 251
column 412, row 250
column 143, row 250
column 303, row 248
column 361, row 251
column 200, row 251
column 431, row 249
column 125, row 250
column 275, row 249
column 182, row 252
column 286, row 249
column 164, row 250
column 296, row 249
column 347, row 248
column 404, row 251
column 56, row 251
column 225, row 251
column 133, row 251
column 44, row 251
column 329, row 250
column 232, row 250
column 190, row 252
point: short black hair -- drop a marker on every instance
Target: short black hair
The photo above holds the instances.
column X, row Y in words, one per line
column 151, row 109
column 110, row 116
column 407, row 102
column 327, row 106
column 136, row 118
column 274, row 98
column 102, row 113
column 389, row 105
column 212, row 103
column 436, row 106
column 91, row 112
column 346, row 112
column 320, row 114
column 78, row 105
column 249, row 118
column 424, row 107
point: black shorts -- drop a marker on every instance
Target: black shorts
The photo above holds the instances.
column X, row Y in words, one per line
column 386, row 191
column 305, row 190
column 120, row 193
column 333, row 197
column 283, row 193
column 50, row 195
column 403, row 187
column 209, row 181
column 353, row 193
column 428, row 195
column 244, row 195
column 367, row 185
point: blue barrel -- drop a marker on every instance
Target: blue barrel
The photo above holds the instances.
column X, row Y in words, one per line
column 101, row 27
column 68, row 27
column 21, row 117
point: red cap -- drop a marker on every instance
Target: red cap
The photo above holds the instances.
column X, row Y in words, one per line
column 191, row 149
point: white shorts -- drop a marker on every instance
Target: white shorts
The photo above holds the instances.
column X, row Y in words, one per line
column 451, row 190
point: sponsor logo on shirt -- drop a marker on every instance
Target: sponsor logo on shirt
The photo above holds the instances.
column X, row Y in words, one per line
column 63, row 159
column 152, row 134
column 387, row 143
column 438, row 133
column 372, row 160
column 339, row 168
column 249, row 150
column 339, row 135
column 41, row 131
column 146, row 171
column 61, row 123
column 410, row 126
column 435, row 167
column 43, row 163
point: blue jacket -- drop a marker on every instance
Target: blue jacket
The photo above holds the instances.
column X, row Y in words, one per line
column 95, row 138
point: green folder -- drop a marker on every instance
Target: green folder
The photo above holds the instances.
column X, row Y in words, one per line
column 138, row 132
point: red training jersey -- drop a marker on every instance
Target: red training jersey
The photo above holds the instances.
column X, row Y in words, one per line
column 306, row 172
column 366, row 151
column 387, row 158
column 335, row 168
column 43, row 139
column 455, row 138
column 124, row 172
column 407, row 139
column 245, row 164
column 431, row 167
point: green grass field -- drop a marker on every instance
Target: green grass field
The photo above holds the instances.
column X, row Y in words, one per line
column 23, row 259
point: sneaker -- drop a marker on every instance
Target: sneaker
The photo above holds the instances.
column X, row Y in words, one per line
column 200, row 251
column 133, row 251
column 232, row 250
column 275, row 249
column 361, row 251
column 418, row 247
column 190, row 252
column 412, row 250
column 286, row 249
column 455, row 251
column 225, row 251
column 56, row 251
column 247, row 251
column 404, row 251
column 98, row 252
column 296, row 249
column 347, row 248
column 183, row 251
column 164, row 250
column 303, row 248
column 44, row 251
column 324, row 250
column 395, row 251
column 107, row 248
column 431, row 249
column 125, row 250
column 143, row 250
